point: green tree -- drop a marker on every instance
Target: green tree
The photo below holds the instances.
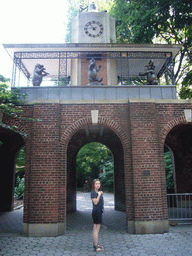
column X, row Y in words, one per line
column 107, row 177
column 20, row 187
column 146, row 21
column 186, row 90
column 19, row 173
column 169, row 169
column 20, row 164
column 10, row 102
column 90, row 160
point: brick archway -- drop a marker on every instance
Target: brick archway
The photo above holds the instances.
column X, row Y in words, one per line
column 169, row 126
column 71, row 130
column 71, row 134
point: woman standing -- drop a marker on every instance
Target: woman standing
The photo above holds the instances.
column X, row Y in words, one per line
column 98, row 203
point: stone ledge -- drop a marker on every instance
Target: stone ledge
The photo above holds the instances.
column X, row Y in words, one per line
column 99, row 94
column 148, row 227
column 43, row 230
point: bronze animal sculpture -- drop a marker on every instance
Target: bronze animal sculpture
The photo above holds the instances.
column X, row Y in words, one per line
column 92, row 71
column 151, row 77
column 38, row 74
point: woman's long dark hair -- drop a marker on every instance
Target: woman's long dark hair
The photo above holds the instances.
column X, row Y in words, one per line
column 93, row 184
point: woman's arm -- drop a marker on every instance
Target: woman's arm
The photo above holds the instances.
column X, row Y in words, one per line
column 96, row 200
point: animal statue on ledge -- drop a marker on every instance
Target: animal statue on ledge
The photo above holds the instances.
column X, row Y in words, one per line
column 38, row 74
column 92, row 73
column 151, row 77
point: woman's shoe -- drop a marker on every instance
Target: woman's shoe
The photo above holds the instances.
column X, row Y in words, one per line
column 98, row 248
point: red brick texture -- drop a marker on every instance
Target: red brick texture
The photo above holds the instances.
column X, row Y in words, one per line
column 141, row 128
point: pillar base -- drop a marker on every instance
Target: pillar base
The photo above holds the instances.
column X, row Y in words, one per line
column 148, row 227
column 43, row 230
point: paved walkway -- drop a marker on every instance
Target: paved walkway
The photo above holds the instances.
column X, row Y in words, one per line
column 78, row 238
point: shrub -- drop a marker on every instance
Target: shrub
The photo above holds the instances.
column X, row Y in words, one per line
column 106, row 179
column 20, row 187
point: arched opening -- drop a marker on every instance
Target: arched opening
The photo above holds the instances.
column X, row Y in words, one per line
column 94, row 160
column 179, row 140
column 11, row 143
column 104, row 135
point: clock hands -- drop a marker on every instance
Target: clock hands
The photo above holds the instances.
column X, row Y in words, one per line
column 93, row 28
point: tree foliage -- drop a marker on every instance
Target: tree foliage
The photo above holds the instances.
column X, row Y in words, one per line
column 107, row 179
column 169, row 169
column 20, row 163
column 19, row 188
column 10, row 102
column 186, row 90
column 19, row 173
column 92, row 158
column 146, row 21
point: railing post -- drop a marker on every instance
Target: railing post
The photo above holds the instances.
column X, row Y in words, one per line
column 180, row 206
column 13, row 73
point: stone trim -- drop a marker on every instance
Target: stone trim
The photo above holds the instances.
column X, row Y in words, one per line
column 44, row 230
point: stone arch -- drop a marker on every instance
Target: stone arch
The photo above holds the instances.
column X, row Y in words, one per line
column 71, row 130
column 162, row 139
column 125, row 141
column 19, row 127
column 169, row 126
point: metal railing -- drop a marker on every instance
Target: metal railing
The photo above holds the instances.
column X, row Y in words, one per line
column 63, row 66
column 180, row 206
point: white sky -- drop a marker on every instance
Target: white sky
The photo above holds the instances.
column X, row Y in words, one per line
column 36, row 21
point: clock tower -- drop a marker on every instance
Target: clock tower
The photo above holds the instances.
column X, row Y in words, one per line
column 93, row 26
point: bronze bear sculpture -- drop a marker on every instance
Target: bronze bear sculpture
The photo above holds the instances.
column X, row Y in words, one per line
column 38, row 74
column 92, row 71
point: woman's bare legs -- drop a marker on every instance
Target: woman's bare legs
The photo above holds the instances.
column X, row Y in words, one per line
column 96, row 228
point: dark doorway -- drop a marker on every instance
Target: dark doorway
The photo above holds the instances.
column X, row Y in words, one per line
column 11, row 143
column 179, row 140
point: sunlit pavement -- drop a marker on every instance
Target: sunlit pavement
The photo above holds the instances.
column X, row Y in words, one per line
column 78, row 238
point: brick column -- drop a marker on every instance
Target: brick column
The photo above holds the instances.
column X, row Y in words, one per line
column 42, row 219
column 147, row 169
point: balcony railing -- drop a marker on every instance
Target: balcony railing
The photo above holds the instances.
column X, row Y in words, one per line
column 67, row 67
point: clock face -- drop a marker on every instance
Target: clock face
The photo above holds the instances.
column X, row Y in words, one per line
column 93, row 28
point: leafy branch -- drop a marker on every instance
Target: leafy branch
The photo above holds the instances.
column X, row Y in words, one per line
column 11, row 103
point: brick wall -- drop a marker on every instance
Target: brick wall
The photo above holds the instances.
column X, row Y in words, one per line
column 141, row 128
